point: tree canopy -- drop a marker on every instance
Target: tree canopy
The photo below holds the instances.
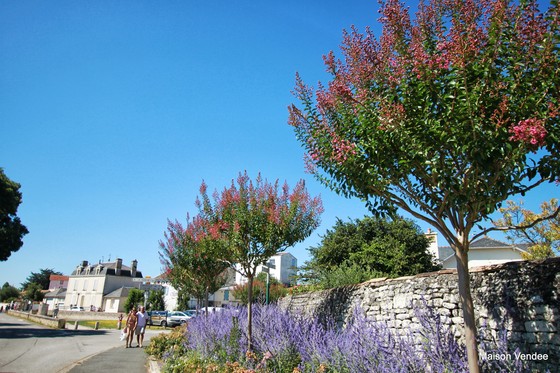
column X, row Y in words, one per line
column 543, row 236
column 42, row 278
column 444, row 116
column 156, row 301
column 11, row 228
column 193, row 257
column 8, row 293
column 33, row 292
column 385, row 247
column 135, row 299
column 256, row 220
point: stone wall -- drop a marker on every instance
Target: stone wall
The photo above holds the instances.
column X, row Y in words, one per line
column 522, row 297
column 40, row 319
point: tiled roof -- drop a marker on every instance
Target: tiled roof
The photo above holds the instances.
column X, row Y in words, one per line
column 58, row 278
column 106, row 269
column 57, row 293
column 121, row 292
column 482, row 243
column 487, row 243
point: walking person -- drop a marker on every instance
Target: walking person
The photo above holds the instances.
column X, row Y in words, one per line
column 131, row 322
column 140, row 326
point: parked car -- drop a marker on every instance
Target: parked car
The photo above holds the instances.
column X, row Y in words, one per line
column 77, row 308
column 158, row 318
column 177, row 318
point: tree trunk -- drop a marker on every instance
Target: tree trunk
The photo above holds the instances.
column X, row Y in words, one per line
column 471, row 344
column 206, row 300
column 250, row 313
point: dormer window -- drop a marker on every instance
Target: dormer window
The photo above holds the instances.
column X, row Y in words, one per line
column 88, row 270
column 98, row 269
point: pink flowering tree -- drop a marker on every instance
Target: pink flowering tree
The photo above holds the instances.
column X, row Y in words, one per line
column 191, row 256
column 443, row 115
column 256, row 220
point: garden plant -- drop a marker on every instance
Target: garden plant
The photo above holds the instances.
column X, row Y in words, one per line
column 444, row 115
column 286, row 343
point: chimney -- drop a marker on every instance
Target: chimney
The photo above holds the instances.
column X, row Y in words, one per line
column 118, row 267
column 133, row 268
column 433, row 248
column 85, row 263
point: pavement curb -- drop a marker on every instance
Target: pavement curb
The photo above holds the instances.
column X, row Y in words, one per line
column 153, row 365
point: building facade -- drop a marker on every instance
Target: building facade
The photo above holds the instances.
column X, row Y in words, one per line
column 90, row 283
column 482, row 252
column 282, row 267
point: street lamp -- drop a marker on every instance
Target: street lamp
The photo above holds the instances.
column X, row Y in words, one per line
column 266, row 269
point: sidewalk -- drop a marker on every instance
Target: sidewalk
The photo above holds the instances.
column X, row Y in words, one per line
column 118, row 359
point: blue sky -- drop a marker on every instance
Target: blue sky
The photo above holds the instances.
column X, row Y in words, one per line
column 112, row 113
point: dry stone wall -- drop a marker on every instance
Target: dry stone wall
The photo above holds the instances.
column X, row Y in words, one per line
column 521, row 297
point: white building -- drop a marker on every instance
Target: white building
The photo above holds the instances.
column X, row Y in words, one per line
column 282, row 267
column 484, row 251
column 285, row 268
column 90, row 283
column 170, row 294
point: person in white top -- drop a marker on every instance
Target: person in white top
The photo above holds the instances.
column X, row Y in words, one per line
column 140, row 326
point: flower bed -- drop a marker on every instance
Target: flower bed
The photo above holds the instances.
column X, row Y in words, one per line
column 283, row 342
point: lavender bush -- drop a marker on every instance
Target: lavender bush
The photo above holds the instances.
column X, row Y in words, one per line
column 286, row 343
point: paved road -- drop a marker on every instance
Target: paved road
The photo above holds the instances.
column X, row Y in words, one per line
column 27, row 347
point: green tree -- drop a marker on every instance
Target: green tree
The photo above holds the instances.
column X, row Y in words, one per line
column 192, row 256
column 444, row 116
column 135, row 298
column 156, row 300
column 183, row 298
column 256, row 220
column 276, row 290
column 11, row 229
column 373, row 246
column 538, row 230
column 33, row 292
column 8, row 293
column 42, row 278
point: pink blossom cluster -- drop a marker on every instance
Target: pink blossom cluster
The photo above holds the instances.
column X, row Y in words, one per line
column 529, row 131
column 342, row 149
column 448, row 39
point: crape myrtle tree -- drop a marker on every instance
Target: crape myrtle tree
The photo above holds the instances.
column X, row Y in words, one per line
column 256, row 220
column 444, row 115
column 191, row 256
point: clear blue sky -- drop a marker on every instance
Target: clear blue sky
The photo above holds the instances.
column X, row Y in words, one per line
column 112, row 113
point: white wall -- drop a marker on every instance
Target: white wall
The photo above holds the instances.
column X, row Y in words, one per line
column 88, row 290
column 284, row 270
column 170, row 296
column 482, row 257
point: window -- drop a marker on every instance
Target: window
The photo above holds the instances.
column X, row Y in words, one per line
column 85, row 284
column 226, row 294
